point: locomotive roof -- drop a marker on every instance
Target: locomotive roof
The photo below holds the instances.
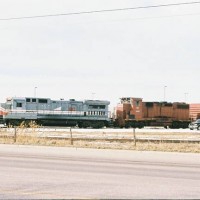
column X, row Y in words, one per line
column 97, row 102
column 70, row 100
column 128, row 98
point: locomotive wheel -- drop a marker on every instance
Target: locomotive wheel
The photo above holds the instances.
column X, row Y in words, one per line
column 80, row 125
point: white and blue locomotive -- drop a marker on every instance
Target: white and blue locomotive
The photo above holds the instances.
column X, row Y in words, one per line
column 47, row 112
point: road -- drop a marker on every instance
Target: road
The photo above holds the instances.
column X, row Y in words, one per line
column 30, row 172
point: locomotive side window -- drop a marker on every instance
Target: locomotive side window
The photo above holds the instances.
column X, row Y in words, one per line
column 97, row 106
column 28, row 100
column 137, row 103
column 33, row 100
column 42, row 101
column 19, row 105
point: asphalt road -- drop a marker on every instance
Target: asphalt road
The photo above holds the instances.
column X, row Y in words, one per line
column 30, row 172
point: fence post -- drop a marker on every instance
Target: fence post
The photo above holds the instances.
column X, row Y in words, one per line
column 15, row 134
column 71, row 139
column 134, row 136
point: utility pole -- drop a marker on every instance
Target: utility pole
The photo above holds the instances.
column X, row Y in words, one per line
column 165, row 92
column 35, row 91
column 185, row 96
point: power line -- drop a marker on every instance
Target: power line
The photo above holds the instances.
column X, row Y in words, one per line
column 99, row 11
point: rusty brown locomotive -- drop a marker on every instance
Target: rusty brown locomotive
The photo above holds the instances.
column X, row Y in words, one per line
column 133, row 112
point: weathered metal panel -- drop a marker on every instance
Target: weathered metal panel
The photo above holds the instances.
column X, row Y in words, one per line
column 194, row 110
column 181, row 111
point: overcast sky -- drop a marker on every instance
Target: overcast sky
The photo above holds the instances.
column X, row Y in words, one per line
column 104, row 55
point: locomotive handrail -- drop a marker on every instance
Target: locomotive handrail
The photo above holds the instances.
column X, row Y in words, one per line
column 55, row 112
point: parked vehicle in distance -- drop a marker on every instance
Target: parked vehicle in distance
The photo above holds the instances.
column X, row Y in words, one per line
column 195, row 125
column 3, row 126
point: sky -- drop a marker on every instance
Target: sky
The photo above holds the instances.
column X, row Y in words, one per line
column 151, row 53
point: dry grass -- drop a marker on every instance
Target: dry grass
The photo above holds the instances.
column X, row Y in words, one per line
column 31, row 136
column 143, row 146
column 140, row 146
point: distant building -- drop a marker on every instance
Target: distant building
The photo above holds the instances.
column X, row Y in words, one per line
column 194, row 111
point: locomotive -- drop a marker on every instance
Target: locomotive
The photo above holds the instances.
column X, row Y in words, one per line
column 130, row 112
column 133, row 112
column 48, row 112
